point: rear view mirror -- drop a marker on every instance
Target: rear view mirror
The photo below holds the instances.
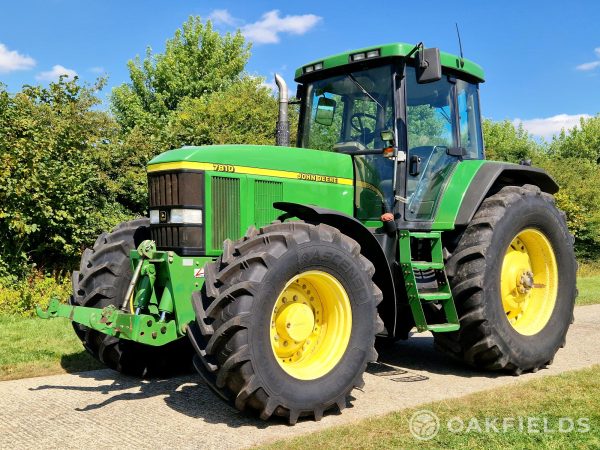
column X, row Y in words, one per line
column 429, row 66
column 325, row 111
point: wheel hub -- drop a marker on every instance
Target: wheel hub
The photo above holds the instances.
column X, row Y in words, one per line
column 529, row 282
column 311, row 325
column 295, row 322
column 525, row 282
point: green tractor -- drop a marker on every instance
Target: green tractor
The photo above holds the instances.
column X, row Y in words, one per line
column 384, row 218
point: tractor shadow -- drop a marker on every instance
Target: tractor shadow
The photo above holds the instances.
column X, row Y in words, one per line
column 413, row 359
column 418, row 354
column 186, row 394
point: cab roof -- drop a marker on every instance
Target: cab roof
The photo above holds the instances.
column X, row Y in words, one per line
column 389, row 50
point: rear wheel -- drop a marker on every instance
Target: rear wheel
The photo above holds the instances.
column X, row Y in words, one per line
column 513, row 280
column 286, row 320
column 102, row 280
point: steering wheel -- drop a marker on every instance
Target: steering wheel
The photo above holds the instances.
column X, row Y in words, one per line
column 365, row 135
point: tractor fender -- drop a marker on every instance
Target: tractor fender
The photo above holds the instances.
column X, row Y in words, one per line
column 491, row 177
column 370, row 248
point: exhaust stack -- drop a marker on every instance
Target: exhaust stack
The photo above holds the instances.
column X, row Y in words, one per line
column 283, row 124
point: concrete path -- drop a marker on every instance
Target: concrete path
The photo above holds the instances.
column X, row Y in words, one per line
column 102, row 409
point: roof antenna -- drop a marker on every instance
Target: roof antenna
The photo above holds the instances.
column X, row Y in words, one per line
column 462, row 63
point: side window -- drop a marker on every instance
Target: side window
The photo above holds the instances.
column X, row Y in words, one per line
column 430, row 121
column 429, row 113
column 469, row 119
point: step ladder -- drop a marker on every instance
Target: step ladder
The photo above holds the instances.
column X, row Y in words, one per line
column 443, row 295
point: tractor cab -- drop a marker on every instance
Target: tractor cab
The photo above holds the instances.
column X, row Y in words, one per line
column 407, row 121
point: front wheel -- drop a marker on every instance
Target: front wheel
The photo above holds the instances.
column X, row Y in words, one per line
column 286, row 321
column 513, row 277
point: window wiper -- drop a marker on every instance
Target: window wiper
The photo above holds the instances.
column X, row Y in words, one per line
column 360, row 86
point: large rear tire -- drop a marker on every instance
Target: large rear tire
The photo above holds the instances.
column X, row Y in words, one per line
column 513, row 278
column 102, row 280
column 286, row 321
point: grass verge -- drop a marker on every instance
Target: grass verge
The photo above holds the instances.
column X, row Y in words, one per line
column 32, row 347
column 542, row 404
column 589, row 290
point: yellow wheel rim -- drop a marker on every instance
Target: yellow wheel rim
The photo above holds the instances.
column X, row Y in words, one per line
column 529, row 282
column 311, row 325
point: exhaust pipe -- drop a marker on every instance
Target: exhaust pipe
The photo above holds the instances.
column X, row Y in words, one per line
column 283, row 124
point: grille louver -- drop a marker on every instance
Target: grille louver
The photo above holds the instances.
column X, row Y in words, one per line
column 225, row 210
column 176, row 189
column 265, row 194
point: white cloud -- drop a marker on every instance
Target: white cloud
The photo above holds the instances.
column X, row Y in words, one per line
column 97, row 69
column 267, row 29
column 550, row 126
column 222, row 16
column 270, row 84
column 11, row 60
column 586, row 67
column 55, row 73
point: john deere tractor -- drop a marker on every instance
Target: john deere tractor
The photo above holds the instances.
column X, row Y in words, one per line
column 384, row 219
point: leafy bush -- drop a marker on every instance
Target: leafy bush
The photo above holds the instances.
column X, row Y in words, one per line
column 505, row 142
column 579, row 200
column 20, row 296
column 53, row 201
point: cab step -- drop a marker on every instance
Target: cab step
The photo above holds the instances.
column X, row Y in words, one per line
column 443, row 296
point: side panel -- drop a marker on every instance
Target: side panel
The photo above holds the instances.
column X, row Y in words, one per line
column 230, row 213
column 454, row 193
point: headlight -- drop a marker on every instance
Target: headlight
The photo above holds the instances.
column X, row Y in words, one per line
column 154, row 216
column 186, row 216
column 176, row 215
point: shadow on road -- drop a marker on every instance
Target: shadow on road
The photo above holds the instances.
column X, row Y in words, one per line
column 408, row 361
column 419, row 354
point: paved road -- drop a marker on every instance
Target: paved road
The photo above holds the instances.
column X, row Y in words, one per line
column 103, row 409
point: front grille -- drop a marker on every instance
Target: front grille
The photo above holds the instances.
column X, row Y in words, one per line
column 181, row 189
column 225, row 210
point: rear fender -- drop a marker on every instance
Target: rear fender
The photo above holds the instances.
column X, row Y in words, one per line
column 492, row 177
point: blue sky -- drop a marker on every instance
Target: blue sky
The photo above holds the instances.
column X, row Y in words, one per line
column 542, row 58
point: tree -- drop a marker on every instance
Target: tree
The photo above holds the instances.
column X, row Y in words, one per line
column 243, row 113
column 52, row 198
column 505, row 142
column 579, row 200
column 196, row 61
column 579, row 142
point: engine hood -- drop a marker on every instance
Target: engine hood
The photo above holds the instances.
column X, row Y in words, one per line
column 292, row 162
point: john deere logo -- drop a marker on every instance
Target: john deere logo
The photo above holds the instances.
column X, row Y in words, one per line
column 162, row 216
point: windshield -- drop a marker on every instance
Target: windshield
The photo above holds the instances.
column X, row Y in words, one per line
column 351, row 108
column 346, row 113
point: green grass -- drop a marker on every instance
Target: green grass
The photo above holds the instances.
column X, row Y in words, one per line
column 572, row 395
column 589, row 290
column 32, row 347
